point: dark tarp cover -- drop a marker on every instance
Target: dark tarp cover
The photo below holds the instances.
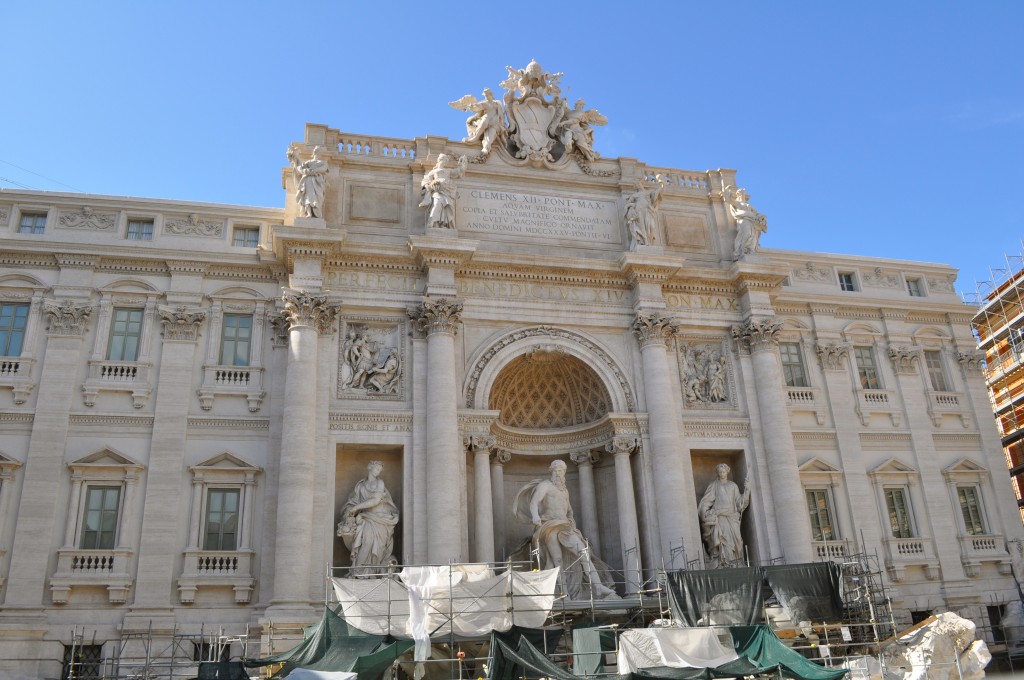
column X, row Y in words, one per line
column 589, row 646
column 334, row 645
column 759, row 645
column 525, row 661
column 808, row 592
column 716, row 596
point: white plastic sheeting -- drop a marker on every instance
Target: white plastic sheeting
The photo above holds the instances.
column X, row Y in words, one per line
column 672, row 647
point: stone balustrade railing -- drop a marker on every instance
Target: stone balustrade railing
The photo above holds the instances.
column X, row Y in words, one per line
column 245, row 381
column 679, row 179
column 79, row 567
column 377, row 147
column 16, row 374
column 118, row 371
column 829, row 550
column 217, row 568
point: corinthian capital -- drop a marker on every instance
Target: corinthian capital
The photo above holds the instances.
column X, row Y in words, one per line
column 621, row 446
column 437, row 316
column 833, row 356
column 181, row 323
column 66, row 318
column 302, row 309
column 760, row 334
column 501, row 456
column 477, row 442
column 904, row 359
column 972, row 361
column 651, row 328
column 585, row 457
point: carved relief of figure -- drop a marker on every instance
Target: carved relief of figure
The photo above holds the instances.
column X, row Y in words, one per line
column 362, row 354
column 641, row 212
column 704, row 375
column 367, row 364
column 574, row 128
column 384, row 377
column 545, row 504
column 487, row 122
column 310, row 183
column 716, row 378
column 439, row 191
column 368, row 524
column 750, row 223
column 720, row 511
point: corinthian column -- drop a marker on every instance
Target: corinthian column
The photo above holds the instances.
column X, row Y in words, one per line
column 760, row 335
column 588, row 495
column 308, row 316
column 483, row 534
column 629, row 532
column 498, row 461
column 446, row 470
column 670, row 456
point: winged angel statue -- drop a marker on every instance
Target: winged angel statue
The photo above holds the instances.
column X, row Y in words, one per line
column 533, row 122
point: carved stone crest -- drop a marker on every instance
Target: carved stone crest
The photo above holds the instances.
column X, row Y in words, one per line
column 370, row 362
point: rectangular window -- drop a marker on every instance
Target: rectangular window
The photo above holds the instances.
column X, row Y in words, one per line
column 140, row 230
column 32, row 223
column 914, row 288
column 13, row 319
column 221, row 520
column 245, row 237
column 235, row 337
column 99, row 525
column 899, row 512
column 847, row 282
column 867, row 370
column 792, row 364
column 125, row 331
column 1016, row 341
column 970, row 507
column 83, row 662
column 822, row 526
column 936, row 376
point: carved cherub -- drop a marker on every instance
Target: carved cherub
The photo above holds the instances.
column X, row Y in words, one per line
column 573, row 128
column 487, row 122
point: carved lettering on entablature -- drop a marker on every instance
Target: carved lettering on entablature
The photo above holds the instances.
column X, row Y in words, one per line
column 372, row 358
column 549, row 292
column 702, row 302
column 194, row 225
column 809, row 272
column 398, row 282
column 87, row 218
column 716, row 429
column 370, row 421
column 705, row 373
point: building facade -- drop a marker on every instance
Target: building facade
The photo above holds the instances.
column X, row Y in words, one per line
column 190, row 392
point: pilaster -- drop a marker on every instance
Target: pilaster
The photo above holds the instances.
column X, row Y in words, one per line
column 480, row 446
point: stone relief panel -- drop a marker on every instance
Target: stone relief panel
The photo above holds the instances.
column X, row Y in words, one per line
column 877, row 278
column 705, row 374
column 193, row 225
column 814, row 274
column 371, row 358
column 86, row 218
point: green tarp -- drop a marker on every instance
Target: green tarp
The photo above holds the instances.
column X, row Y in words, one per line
column 589, row 646
column 762, row 648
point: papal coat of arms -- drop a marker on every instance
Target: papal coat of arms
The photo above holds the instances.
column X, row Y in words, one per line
column 533, row 124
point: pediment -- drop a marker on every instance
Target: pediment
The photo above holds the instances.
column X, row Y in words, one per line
column 105, row 457
column 816, row 464
column 894, row 465
column 8, row 462
column 965, row 465
column 226, row 461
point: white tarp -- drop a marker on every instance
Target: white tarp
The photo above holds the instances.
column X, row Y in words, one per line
column 672, row 647
column 440, row 600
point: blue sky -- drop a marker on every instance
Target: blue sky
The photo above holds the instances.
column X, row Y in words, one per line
column 871, row 128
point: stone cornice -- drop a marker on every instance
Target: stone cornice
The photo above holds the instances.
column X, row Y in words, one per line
column 645, row 268
column 434, row 251
column 306, row 242
column 187, row 267
column 229, row 423
column 716, row 429
column 97, row 420
column 76, row 260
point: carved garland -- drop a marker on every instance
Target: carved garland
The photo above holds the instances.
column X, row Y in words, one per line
column 302, row 309
column 546, row 331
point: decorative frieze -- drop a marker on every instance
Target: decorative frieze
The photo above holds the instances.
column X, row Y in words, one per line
column 809, row 272
column 652, row 328
column 833, row 355
column 4, row 214
column 371, row 358
column 904, row 359
column 370, row 421
column 302, row 309
column 938, row 284
column 973, row 362
column 716, row 429
column 194, row 225
column 67, row 318
column 876, row 278
column 760, row 334
column 87, row 218
column 440, row 315
column 181, row 323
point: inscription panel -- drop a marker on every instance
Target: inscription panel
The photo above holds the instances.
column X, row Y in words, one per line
column 532, row 216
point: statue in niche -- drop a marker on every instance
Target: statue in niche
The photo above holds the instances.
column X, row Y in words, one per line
column 641, row 213
column 720, row 511
column 704, row 375
column 310, row 182
column 574, row 130
column 750, row 223
column 544, row 503
column 367, row 364
column 368, row 523
column 487, row 123
column 440, row 191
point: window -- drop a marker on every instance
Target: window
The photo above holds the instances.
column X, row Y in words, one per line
column 32, row 223
column 1016, row 341
column 792, row 364
column 221, row 519
column 13, row 319
column 898, row 506
column 914, row 288
column 235, row 337
column 867, row 370
column 847, row 282
column 83, row 662
column 936, row 376
column 970, row 507
column 245, row 237
column 99, row 521
column 140, row 230
column 822, row 526
column 125, row 331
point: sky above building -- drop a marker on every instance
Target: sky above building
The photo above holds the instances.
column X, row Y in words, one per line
column 871, row 128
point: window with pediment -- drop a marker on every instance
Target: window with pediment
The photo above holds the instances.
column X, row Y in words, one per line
column 121, row 360
column 234, row 349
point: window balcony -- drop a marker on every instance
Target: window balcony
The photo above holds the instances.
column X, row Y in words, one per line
column 118, row 376
column 943, row 403
column 92, row 568
column 831, row 550
column 806, row 399
column 881, row 402
column 228, row 381
column 980, row 548
column 217, row 568
column 911, row 552
column 16, row 373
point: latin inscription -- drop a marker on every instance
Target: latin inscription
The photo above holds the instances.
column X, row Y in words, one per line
column 537, row 216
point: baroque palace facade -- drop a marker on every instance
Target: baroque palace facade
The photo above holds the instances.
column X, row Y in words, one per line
column 189, row 392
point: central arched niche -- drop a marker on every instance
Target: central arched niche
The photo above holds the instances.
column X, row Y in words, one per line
column 547, row 388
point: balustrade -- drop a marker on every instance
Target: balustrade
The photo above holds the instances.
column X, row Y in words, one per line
column 379, row 147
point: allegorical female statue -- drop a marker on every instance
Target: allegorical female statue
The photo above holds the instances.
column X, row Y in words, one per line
column 368, row 523
column 310, row 182
column 720, row 512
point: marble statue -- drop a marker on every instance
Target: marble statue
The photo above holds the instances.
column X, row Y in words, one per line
column 750, row 223
column 704, row 375
column 545, row 504
column 641, row 213
column 368, row 523
column 367, row 364
column 575, row 131
column 440, row 191
column 720, row 511
column 310, row 183
column 487, row 123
